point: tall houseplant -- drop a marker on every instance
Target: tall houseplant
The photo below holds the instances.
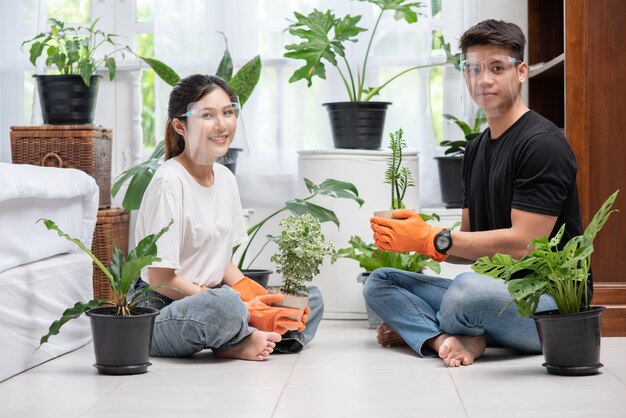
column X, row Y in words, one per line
column 242, row 83
column 69, row 97
column 299, row 206
column 570, row 335
column 302, row 248
column 358, row 123
column 122, row 331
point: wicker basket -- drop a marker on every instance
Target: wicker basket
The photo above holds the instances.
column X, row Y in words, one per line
column 111, row 228
column 84, row 147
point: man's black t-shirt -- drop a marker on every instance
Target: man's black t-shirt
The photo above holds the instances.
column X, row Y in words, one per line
column 530, row 167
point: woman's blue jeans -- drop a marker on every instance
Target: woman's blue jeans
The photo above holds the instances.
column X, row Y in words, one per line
column 420, row 307
column 216, row 319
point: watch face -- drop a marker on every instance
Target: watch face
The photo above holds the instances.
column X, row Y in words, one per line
column 443, row 242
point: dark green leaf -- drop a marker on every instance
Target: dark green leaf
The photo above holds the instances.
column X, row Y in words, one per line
column 246, row 79
column 71, row 313
column 166, row 73
column 225, row 68
column 300, row 207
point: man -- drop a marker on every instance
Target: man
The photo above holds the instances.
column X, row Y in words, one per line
column 519, row 180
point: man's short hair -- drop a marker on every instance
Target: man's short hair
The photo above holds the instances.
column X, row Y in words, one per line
column 495, row 32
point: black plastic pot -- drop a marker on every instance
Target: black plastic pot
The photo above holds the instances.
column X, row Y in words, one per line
column 450, row 179
column 66, row 100
column 357, row 125
column 122, row 343
column 262, row 277
column 571, row 342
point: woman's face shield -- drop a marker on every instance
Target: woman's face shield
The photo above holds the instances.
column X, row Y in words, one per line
column 212, row 127
column 493, row 83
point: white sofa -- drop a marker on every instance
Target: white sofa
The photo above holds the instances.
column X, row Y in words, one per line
column 41, row 273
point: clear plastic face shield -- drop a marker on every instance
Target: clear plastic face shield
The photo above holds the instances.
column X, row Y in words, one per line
column 492, row 83
column 214, row 125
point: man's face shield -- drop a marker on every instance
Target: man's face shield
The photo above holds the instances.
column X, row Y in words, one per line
column 492, row 83
column 211, row 126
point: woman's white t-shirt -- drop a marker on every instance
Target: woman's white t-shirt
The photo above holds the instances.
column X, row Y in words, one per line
column 208, row 222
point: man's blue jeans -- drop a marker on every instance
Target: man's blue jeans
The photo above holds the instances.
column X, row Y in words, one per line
column 420, row 307
column 216, row 319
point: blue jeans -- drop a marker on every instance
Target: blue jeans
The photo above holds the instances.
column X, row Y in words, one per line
column 420, row 307
column 216, row 319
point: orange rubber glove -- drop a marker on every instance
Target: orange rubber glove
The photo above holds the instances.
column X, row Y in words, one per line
column 273, row 318
column 408, row 232
column 249, row 289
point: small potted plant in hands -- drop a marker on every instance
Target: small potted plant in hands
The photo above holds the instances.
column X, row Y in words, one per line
column 70, row 96
column 302, row 249
column 570, row 335
column 122, row 331
column 397, row 176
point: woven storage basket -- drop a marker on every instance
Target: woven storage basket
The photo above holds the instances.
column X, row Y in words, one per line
column 111, row 228
column 84, row 147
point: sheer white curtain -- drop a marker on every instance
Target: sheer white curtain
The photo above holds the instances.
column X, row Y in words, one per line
column 282, row 118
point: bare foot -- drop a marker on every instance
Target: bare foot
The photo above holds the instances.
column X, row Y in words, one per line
column 386, row 336
column 255, row 347
column 457, row 350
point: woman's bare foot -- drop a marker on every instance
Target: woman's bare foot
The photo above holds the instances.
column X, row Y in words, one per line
column 386, row 336
column 457, row 350
column 256, row 347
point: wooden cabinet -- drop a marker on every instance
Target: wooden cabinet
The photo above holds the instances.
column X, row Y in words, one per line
column 593, row 34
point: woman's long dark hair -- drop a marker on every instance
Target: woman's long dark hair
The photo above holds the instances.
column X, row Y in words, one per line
column 188, row 90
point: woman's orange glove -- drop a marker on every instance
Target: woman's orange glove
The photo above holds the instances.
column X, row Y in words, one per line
column 408, row 232
column 273, row 318
column 249, row 289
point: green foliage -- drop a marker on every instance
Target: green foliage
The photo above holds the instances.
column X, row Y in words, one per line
column 398, row 177
column 329, row 187
column 457, row 147
column 563, row 274
column 371, row 258
column 324, row 37
column 71, row 49
column 242, row 83
column 302, row 249
column 121, row 274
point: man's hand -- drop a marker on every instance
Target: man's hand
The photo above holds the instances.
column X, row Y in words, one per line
column 408, row 232
column 275, row 319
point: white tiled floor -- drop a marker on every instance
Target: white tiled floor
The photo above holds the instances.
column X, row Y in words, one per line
column 343, row 373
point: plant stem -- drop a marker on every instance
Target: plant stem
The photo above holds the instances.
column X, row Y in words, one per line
column 351, row 90
column 367, row 53
column 377, row 89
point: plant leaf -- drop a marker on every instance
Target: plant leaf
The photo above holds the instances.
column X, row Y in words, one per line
column 301, row 207
column 71, row 313
column 225, row 68
column 246, row 79
column 161, row 69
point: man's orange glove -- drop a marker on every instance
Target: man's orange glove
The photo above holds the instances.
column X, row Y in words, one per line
column 273, row 318
column 408, row 232
column 249, row 289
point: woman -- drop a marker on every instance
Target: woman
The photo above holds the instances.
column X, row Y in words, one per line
column 205, row 300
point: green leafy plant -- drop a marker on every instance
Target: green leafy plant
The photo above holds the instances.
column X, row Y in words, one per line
column 371, row 258
column 121, row 274
column 398, row 177
column 242, row 83
column 457, row 147
column 71, row 49
column 329, row 187
column 302, row 248
column 323, row 39
column 563, row 274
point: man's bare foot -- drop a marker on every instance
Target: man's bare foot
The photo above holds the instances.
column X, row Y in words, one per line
column 386, row 336
column 457, row 350
column 255, row 347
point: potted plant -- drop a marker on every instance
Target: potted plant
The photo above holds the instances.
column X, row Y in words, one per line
column 122, row 331
column 359, row 122
column 397, row 176
column 570, row 335
column 302, row 248
column 371, row 258
column 70, row 96
column 242, row 83
column 329, row 187
column 449, row 164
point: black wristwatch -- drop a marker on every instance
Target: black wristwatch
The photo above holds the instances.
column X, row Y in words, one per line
column 443, row 241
